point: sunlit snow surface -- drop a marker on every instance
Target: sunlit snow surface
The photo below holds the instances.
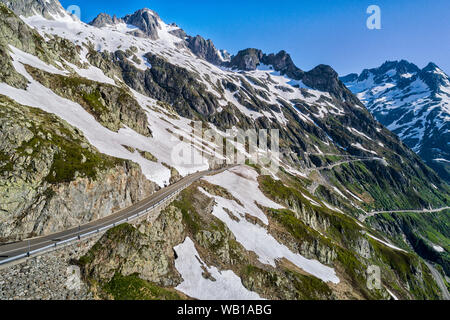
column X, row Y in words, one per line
column 438, row 248
column 241, row 183
column 225, row 285
column 106, row 141
column 115, row 37
column 411, row 108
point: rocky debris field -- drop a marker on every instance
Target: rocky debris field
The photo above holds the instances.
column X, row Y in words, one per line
column 46, row 277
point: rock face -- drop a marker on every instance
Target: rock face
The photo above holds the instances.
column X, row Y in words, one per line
column 250, row 59
column 104, row 19
column 147, row 21
column 52, row 179
column 411, row 228
column 324, row 78
column 204, row 49
column 147, row 251
column 17, row 33
column 414, row 103
column 283, row 63
column 247, row 60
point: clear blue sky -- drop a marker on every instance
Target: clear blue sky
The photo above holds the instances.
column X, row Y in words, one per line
column 332, row 32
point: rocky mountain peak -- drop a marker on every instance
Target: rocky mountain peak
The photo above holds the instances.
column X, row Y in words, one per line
column 249, row 59
column 396, row 71
column 322, row 77
column 283, row 63
column 104, row 19
column 430, row 67
column 434, row 77
column 400, row 67
column 325, row 78
column 246, row 60
column 413, row 103
column 148, row 22
column 49, row 9
column 404, row 67
column 204, row 49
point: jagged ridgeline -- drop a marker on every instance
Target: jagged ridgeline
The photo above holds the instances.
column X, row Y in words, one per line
column 414, row 103
column 90, row 113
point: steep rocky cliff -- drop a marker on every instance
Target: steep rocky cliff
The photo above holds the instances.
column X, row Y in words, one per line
column 53, row 179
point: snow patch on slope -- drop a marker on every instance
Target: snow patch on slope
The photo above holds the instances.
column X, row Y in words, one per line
column 242, row 183
column 227, row 285
column 106, row 141
column 252, row 236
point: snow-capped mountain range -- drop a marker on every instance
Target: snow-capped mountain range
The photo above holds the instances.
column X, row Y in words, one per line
column 91, row 115
column 414, row 103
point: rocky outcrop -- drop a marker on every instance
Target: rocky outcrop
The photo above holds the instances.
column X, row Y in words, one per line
column 52, row 179
column 17, row 33
column 247, row 60
column 104, row 19
column 147, row 21
column 282, row 62
column 324, row 78
column 204, row 49
column 177, row 31
column 146, row 251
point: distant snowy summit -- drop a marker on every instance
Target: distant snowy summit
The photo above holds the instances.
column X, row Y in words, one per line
column 414, row 103
column 49, row 9
column 148, row 24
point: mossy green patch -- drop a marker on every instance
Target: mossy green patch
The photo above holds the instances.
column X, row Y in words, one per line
column 191, row 218
column 342, row 228
column 134, row 288
column 55, row 139
column 308, row 287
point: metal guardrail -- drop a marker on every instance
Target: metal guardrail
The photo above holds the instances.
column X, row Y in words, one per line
column 96, row 231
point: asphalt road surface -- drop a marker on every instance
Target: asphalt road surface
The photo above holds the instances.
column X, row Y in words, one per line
column 371, row 214
column 16, row 249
